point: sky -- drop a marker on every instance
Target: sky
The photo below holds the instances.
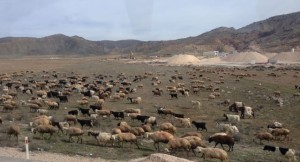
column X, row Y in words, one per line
column 133, row 19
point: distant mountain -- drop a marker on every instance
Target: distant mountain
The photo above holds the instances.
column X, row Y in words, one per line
column 276, row 34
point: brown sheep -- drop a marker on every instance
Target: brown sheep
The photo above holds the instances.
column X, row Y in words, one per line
column 13, row 130
column 168, row 127
column 42, row 129
column 70, row 118
column 178, row 143
column 159, row 136
column 125, row 137
column 279, row 132
column 264, row 136
column 214, row 153
column 192, row 134
column 73, row 131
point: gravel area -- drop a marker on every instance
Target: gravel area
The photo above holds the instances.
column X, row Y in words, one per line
column 9, row 154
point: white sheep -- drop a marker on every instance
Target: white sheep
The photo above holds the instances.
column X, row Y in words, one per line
column 213, row 153
column 196, row 104
column 186, row 122
column 228, row 128
column 232, row 118
column 249, row 112
column 151, row 120
column 42, row 111
column 102, row 137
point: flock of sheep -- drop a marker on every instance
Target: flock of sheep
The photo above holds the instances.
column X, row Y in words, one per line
column 48, row 92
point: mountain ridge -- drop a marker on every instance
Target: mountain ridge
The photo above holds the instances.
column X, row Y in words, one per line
column 275, row 34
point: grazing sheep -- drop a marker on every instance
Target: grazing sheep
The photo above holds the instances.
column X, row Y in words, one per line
column 185, row 122
column 211, row 97
column 159, row 136
column 135, row 100
column 232, row 118
column 125, row 137
column 73, row 112
column 222, row 139
column 198, row 125
column 103, row 112
column 42, row 129
column 279, row 132
column 137, row 131
column 42, row 111
column 73, row 131
column 87, row 122
column 84, row 111
column 130, row 110
column 195, row 141
column 228, row 128
column 178, row 143
column 151, row 120
column 116, row 131
column 118, row 114
column 41, row 121
column 13, row 130
column 247, row 111
column 124, row 127
column 52, row 105
column 101, row 137
column 213, row 153
column 8, row 108
column 196, row 104
column 196, row 134
column 60, row 125
column 178, row 115
column 147, row 127
column 275, row 125
column 83, row 102
column 168, row 127
column 164, row 111
column 288, row 153
column 264, row 136
column 236, row 106
column 70, row 118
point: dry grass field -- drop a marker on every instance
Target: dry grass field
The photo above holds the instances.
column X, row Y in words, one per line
column 255, row 90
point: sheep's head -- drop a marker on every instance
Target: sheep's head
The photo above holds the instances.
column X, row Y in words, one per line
column 33, row 130
column 198, row 149
column 167, row 150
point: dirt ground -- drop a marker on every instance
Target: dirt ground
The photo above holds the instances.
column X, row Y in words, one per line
column 255, row 90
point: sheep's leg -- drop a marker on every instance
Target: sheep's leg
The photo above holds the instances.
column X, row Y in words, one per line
column 222, row 146
column 136, row 143
column 216, row 144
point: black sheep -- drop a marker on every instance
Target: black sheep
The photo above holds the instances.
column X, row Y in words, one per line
column 201, row 125
column 222, row 139
column 63, row 98
column 84, row 111
column 73, row 112
column 95, row 107
column 87, row 122
column 118, row 115
column 178, row 115
column 142, row 118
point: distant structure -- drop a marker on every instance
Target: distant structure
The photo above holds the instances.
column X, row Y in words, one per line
column 211, row 54
column 293, row 50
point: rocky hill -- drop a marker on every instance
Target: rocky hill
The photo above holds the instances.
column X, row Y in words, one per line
column 276, row 34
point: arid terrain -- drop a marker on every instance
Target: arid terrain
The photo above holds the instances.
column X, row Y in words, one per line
column 253, row 85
